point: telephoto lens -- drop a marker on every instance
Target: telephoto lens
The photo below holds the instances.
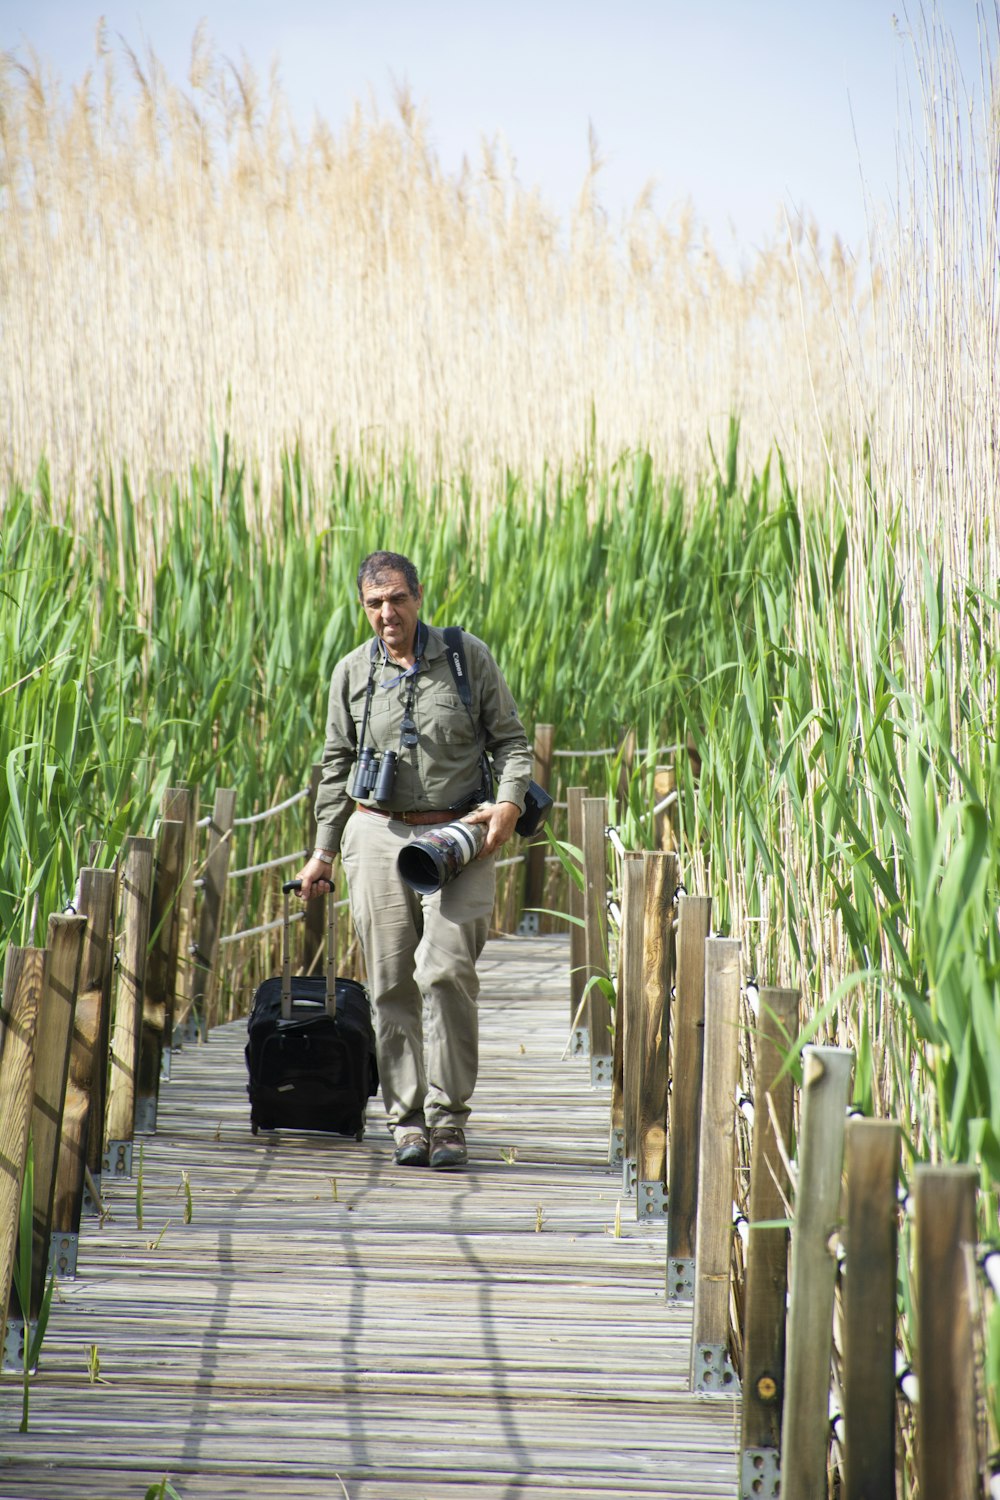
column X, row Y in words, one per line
column 429, row 862
column 364, row 775
column 386, row 776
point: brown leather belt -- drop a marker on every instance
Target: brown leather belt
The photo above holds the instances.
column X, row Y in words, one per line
column 419, row 819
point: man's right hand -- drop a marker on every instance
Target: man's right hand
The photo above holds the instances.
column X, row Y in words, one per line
column 315, row 877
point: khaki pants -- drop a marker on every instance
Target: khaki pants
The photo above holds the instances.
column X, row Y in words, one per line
column 420, row 955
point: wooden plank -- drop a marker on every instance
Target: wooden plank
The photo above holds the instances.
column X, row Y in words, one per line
column 694, row 915
column 215, row 874
column 534, row 866
column 88, row 1060
column 947, row 1463
column 711, row 1365
column 24, row 976
column 766, row 1280
column 805, row 1427
column 654, row 1033
column 180, row 805
column 577, row 934
column 595, row 897
column 631, row 957
column 160, row 985
column 136, row 894
column 869, row 1379
column 52, row 1052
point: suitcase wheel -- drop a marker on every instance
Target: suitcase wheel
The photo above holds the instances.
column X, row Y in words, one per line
column 359, row 1134
column 254, row 1127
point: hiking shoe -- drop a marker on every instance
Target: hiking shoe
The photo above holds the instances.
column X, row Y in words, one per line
column 411, row 1148
column 448, row 1147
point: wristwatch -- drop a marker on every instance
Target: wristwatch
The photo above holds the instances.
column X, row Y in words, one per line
column 324, row 855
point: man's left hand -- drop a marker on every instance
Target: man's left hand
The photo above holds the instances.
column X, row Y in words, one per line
column 501, row 817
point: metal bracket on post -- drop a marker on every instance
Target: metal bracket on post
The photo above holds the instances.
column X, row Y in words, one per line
column 13, row 1347
column 145, row 1116
column 530, row 924
column 579, row 1042
column 760, row 1474
column 713, row 1371
column 629, row 1174
column 651, row 1202
column 680, row 1280
column 165, row 1056
column 616, row 1147
column 117, row 1160
column 63, row 1251
column 601, row 1070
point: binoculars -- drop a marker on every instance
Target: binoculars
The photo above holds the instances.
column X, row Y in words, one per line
column 375, row 775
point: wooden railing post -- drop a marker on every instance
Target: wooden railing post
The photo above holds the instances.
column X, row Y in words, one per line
column 83, row 1110
column 534, row 865
column 628, row 1035
column 805, row 1428
column 694, row 915
column 595, row 893
column 766, row 1280
column 52, row 1050
column 24, row 975
column 137, row 889
column 664, row 785
column 180, row 805
column 313, row 925
column 711, row 1364
column 947, row 1462
column 157, row 1022
column 872, row 1161
column 215, row 874
column 654, row 1035
column 580, row 1038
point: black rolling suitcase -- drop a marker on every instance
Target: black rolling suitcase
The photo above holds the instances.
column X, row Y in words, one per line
column 310, row 1058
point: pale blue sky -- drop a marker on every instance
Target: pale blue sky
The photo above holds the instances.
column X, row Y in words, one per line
column 743, row 106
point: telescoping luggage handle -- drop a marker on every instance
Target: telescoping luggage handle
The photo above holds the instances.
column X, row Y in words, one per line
column 331, row 951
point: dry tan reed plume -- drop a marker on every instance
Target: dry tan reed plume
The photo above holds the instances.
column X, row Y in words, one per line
column 174, row 259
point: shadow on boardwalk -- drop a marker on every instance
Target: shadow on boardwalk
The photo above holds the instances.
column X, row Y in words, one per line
column 329, row 1324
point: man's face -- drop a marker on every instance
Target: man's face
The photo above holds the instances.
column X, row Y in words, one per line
column 392, row 610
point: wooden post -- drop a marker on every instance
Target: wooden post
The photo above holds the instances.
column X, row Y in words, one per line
column 711, row 1365
column 628, row 1031
column 52, row 1049
column 766, row 1280
column 654, row 1035
column 805, row 1428
column 157, row 1024
column 313, row 926
column 694, row 915
column 580, row 1040
column 534, row 865
column 945, row 1253
column 664, row 785
column 180, row 805
column 872, row 1159
column 24, row 974
column 215, row 873
column 137, row 888
column 83, row 1110
column 595, row 896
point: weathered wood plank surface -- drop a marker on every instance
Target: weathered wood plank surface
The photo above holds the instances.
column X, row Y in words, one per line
column 331, row 1324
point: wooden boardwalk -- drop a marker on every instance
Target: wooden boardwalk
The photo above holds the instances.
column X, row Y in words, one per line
column 331, row 1325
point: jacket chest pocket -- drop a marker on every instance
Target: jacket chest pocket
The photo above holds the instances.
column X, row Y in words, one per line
column 443, row 716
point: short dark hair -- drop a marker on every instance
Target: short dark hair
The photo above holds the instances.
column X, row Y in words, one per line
column 378, row 563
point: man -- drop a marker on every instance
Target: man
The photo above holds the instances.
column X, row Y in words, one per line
column 397, row 693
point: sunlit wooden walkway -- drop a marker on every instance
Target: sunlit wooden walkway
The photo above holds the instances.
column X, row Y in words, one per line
column 328, row 1324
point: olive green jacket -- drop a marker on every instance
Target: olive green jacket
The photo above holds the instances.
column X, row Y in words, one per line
column 443, row 769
